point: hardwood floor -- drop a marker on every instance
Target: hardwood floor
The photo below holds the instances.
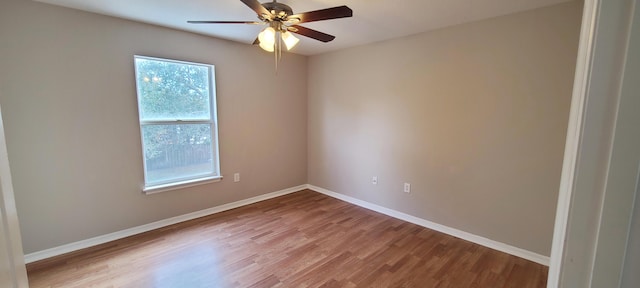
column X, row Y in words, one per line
column 304, row 239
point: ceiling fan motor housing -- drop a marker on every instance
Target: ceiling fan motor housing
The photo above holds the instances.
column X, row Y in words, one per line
column 280, row 11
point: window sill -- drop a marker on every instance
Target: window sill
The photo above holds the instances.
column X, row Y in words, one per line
column 179, row 185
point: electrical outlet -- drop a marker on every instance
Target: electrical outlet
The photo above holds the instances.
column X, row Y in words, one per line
column 236, row 177
column 407, row 188
column 374, row 180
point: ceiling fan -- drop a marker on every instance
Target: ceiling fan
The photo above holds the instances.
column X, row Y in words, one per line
column 282, row 22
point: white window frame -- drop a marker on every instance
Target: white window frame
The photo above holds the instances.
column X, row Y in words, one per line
column 212, row 121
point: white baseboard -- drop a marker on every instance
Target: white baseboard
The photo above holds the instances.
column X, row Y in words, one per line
column 40, row 255
column 540, row 259
column 55, row 251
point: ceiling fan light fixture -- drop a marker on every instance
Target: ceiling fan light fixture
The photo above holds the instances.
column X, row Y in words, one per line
column 282, row 22
column 289, row 40
column 267, row 39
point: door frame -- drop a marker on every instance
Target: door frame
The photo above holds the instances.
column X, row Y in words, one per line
column 582, row 241
column 10, row 242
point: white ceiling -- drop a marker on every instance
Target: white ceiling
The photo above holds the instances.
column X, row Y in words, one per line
column 372, row 21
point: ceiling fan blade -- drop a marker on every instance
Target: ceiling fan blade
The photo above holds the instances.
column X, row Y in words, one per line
column 256, row 6
column 224, row 22
column 324, row 14
column 304, row 31
column 256, row 42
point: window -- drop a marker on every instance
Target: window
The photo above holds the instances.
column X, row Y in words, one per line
column 176, row 106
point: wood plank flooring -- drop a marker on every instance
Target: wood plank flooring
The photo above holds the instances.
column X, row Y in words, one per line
column 304, row 239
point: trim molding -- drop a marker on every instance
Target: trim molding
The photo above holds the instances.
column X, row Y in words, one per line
column 55, row 251
column 515, row 251
column 573, row 142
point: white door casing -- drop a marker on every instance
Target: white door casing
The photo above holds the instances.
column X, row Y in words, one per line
column 602, row 151
column 12, row 268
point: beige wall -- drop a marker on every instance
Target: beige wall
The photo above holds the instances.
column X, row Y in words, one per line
column 473, row 116
column 69, row 106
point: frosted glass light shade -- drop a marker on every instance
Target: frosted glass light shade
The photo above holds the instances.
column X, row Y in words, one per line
column 267, row 39
column 289, row 40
